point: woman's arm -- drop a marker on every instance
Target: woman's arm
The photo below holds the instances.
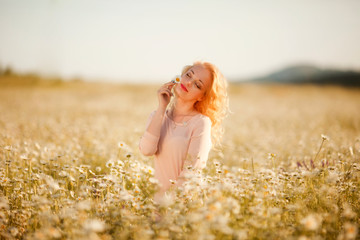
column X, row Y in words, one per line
column 199, row 148
column 148, row 144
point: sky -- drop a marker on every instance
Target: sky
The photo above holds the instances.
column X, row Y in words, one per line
column 152, row 40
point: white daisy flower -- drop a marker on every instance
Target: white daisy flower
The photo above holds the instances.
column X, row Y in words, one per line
column 8, row 148
column 324, row 137
column 351, row 230
column 312, row 222
column 176, row 79
column 94, row 225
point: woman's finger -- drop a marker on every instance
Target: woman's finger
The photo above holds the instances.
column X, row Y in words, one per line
column 167, row 92
column 169, row 84
column 166, row 88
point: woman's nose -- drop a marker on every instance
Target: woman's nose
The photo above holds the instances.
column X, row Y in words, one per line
column 188, row 82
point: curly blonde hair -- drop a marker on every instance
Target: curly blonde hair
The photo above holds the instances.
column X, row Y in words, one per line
column 215, row 103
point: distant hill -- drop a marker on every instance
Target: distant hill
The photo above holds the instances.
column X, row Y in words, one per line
column 305, row 74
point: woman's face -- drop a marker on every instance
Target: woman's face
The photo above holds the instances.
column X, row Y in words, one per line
column 194, row 83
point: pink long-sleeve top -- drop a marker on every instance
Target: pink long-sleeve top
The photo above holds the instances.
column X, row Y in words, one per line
column 176, row 143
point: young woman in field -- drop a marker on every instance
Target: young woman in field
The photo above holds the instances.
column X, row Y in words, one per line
column 181, row 132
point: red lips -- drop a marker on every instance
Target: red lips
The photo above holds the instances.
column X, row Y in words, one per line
column 183, row 87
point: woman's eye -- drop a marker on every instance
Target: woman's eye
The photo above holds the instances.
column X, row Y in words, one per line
column 188, row 74
column 197, row 85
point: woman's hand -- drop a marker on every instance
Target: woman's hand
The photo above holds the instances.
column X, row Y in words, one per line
column 165, row 94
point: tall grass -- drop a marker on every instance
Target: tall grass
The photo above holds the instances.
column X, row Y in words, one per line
column 70, row 167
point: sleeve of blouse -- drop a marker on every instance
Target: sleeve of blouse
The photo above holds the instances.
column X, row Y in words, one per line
column 148, row 143
column 199, row 148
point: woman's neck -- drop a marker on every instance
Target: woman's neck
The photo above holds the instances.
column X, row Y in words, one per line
column 181, row 108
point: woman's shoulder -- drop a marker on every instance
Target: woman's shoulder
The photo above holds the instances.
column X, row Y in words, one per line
column 201, row 126
column 202, row 120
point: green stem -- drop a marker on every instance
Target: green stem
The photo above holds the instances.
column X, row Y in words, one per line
column 252, row 164
column 319, row 150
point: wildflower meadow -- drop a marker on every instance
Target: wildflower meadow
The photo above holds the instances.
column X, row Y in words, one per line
column 70, row 168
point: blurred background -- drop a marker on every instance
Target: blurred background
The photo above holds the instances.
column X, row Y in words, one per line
column 79, row 79
column 150, row 41
column 84, row 74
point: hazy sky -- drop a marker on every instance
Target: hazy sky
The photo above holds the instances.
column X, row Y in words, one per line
column 152, row 40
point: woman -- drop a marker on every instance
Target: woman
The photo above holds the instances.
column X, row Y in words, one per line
column 180, row 134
